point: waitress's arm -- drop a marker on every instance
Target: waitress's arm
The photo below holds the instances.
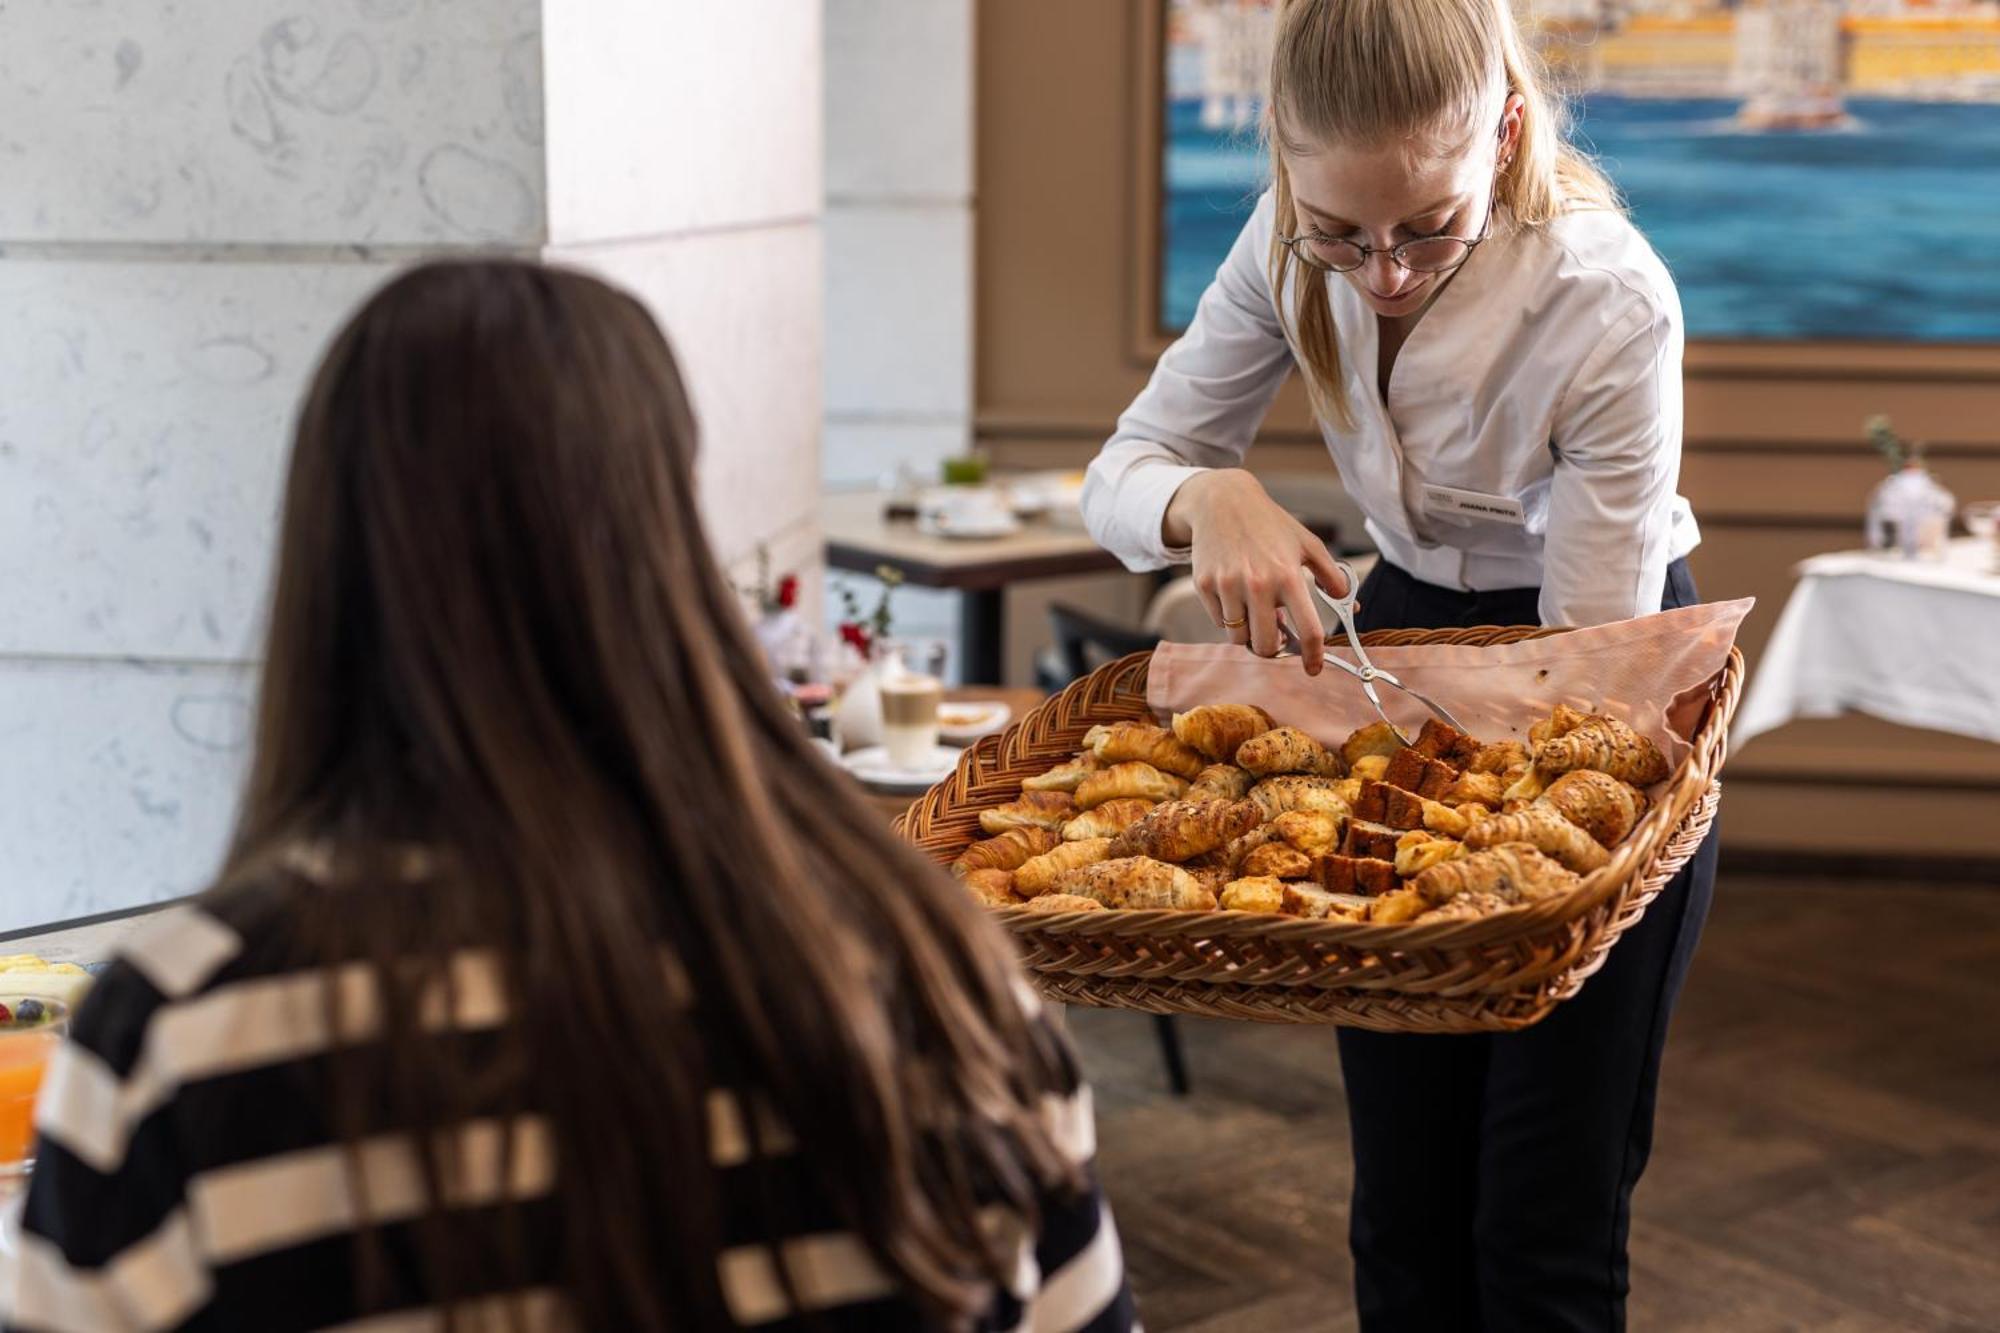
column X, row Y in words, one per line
column 1200, row 410
column 1617, row 442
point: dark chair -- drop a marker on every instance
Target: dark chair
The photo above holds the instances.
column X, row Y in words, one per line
column 1084, row 642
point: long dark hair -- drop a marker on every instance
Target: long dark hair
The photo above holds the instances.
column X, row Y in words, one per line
column 503, row 660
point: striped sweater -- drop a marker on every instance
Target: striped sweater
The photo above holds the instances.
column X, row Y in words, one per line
column 187, row 1177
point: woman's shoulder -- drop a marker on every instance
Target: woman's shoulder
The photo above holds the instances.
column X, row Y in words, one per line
column 1597, row 255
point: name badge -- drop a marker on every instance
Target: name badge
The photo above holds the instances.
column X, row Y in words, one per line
column 1445, row 500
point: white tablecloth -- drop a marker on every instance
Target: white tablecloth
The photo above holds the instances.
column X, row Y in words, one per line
column 1912, row 642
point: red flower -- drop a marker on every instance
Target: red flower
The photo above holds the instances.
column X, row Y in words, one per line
column 788, row 591
column 854, row 634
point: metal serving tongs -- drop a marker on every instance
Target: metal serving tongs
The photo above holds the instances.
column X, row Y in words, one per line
column 1367, row 673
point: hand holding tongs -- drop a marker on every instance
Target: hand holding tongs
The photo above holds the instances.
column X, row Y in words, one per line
column 1367, row 673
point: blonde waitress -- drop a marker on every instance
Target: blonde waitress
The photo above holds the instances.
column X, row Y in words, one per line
column 1493, row 355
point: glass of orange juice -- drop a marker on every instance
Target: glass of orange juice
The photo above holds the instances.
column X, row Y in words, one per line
column 30, row 1028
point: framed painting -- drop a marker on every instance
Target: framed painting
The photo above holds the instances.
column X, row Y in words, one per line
column 1821, row 176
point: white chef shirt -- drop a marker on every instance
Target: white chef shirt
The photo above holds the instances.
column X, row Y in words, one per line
column 1547, row 372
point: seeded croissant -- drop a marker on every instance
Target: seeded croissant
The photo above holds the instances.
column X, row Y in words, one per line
column 1107, row 820
column 994, row 888
column 1132, row 779
column 1607, row 745
column 1123, row 741
column 1182, row 830
column 1009, row 851
column 1597, row 803
column 1138, row 882
column 1288, row 750
column 1295, row 792
column 1513, row 870
column 1542, row 828
column 1038, row 875
column 1217, row 729
column 1036, row 809
column 1220, row 782
column 1064, row 777
column 1063, row 902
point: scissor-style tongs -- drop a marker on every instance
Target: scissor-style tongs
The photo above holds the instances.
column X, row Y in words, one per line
column 1367, row 672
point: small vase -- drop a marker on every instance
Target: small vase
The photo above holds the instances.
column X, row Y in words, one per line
column 1910, row 502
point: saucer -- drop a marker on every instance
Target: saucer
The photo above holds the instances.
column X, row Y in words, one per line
column 872, row 766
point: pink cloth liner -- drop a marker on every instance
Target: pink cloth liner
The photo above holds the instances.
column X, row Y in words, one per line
column 1652, row 672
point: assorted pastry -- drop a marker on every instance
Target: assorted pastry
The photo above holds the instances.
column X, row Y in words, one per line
column 1227, row 809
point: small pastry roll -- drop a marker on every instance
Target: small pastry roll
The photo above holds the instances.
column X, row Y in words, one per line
column 1394, row 909
column 1513, row 870
column 1066, row 777
column 1369, row 767
column 1234, row 853
column 1417, row 851
column 1008, row 851
column 1498, row 757
column 1131, row 779
column 1039, row 875
column 1036, row 809
column 1441, row 818
column 1597, row 803
column 1107, row 820
column 1349, row 789
column 1473, row 788
column 1125, row 741
column 1288, row 750
column 1561, row 722
column 1276, row 860
column 1138, row 882
column 1274, row 796
column 1221, row 782
column 1182, row 830
column 994, row 888
column 1314, row 832
column 1607, row 745
column 1261, row 894
column 1375, row 739
column 1063, row 902
column 1541, row 827
column 1216, row 730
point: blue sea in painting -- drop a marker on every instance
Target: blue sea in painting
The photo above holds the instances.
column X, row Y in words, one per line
column 1886, row 229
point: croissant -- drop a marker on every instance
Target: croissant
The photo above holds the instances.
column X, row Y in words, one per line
column 1542, row 828
column 1288, row 750
column 1377, row 739
column 1514, row 870
column 1597, row 803
column 1038, row 875
column 1314, row 832
column 1258, row 894
column 1035, row 809
column 1607, row 745
column 1182, row 830
column 1217, row 729
column 1369, row 767
column 1417, row 851
column 1064, row 777
column 1123, row 741
column 1137, row 882
column 995, row 888
column 1295, row 792
column 1131, row 779
column 1107, row 820
column 1466, row 907
column 1220, row 782
column 1561, row 722
column 1393, row 909
column 1499, row 757
column 1063, row 902
column 1009, row 851
column 1275, row 860
column 1472, row 788
column 1441, row 818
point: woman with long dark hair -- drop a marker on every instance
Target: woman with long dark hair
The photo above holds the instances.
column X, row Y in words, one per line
column 553, row 980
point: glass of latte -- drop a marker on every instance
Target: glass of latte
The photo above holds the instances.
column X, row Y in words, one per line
column 909, row 676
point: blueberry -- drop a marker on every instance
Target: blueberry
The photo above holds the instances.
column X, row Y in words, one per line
column 29, row 1011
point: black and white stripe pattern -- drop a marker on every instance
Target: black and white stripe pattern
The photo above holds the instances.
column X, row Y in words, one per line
column 189, row 1180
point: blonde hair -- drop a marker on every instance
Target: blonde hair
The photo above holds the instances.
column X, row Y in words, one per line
column 1380, row 71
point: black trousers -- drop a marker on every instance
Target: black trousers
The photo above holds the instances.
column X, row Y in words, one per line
column 1493, row 1174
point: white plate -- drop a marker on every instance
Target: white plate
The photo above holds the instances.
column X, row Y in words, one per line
column 872, row 766
column 982, row 717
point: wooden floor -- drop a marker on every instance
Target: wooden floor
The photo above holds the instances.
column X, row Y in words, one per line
column 1827, row 1154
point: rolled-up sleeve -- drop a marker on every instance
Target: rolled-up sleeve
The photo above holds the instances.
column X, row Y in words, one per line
column 1617, row 442
column 1201, row 409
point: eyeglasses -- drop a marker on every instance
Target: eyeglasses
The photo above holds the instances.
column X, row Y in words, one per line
column 1425, row 254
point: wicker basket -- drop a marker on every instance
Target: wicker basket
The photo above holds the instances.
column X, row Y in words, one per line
column 1494, row 973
